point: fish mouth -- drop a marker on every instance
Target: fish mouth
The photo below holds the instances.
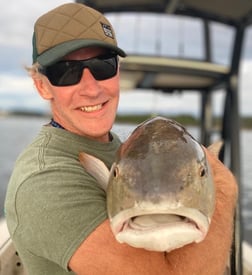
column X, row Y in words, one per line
column 160, row 231
column 152, row 221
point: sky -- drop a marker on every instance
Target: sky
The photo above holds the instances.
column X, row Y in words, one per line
column 146, row 34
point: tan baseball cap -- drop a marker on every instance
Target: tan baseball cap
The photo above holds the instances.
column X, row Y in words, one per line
column 70, row 27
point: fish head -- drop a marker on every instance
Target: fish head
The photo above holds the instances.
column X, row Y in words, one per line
column 160, row 187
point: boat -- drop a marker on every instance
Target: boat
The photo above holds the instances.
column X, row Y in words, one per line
column 205, row 76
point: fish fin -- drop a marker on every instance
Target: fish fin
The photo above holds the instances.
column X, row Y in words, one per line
column 216, row 147
column 96, row 168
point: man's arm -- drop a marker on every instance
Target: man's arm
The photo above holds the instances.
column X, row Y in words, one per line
column 100, row 253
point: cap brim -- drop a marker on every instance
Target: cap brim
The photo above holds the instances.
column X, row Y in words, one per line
column 58, row 52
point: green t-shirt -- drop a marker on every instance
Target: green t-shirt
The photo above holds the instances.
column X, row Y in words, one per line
column 52, row 204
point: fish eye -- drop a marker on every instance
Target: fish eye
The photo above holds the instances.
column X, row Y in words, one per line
column 115, row 172
column 202, row 171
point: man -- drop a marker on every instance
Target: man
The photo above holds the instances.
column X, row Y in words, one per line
column 55, row 211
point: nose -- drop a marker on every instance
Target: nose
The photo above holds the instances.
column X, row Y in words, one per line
column 89, row 84
column 87, row 77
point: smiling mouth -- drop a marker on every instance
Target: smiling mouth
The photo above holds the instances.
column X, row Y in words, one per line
column 89, row 109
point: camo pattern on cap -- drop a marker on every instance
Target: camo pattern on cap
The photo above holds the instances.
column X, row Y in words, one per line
column 71, row 22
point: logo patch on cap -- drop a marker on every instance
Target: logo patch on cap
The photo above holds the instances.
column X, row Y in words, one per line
column 107, row 30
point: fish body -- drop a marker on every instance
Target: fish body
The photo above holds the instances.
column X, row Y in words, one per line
column 160, row 191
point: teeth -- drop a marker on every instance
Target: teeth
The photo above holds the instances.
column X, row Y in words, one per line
column 91, row 108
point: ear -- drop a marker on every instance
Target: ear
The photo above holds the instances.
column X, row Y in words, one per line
column 43, row 88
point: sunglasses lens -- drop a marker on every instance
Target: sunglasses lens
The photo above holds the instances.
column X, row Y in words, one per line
column 103, row 68
column 66, row 73
column 63, row 73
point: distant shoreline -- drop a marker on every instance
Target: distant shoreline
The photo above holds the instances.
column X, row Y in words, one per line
column 184, row 119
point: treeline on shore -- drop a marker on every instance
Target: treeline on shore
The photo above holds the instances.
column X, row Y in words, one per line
column 184, row 119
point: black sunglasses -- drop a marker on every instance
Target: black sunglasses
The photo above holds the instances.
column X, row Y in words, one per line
column 69, row 72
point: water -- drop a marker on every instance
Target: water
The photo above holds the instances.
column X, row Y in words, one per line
column 17, row 132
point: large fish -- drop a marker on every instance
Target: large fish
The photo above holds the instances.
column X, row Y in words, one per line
column 160, row 191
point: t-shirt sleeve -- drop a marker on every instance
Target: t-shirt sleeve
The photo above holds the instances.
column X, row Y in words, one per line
column 67, row 205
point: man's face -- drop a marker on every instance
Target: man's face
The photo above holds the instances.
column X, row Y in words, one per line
column 87, row 108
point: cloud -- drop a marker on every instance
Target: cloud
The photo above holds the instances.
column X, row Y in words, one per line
column 17, row 19
column 245, row 86
column 17, row 92
column 16, row 85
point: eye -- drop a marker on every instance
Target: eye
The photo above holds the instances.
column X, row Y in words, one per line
column 202, row 171
column 115, row 172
